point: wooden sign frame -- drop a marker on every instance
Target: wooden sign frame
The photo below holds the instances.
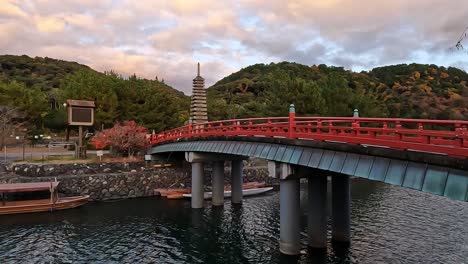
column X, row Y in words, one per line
column 75, row 107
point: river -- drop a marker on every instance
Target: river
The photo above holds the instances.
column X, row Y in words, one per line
column 389, row 225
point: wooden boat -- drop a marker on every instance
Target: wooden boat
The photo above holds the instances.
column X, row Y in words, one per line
column 178, row 193
column 41, row 205
column 245, row 192
column 175, row 196
column 168, row 192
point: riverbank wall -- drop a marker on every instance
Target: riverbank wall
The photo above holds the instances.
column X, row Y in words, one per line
column 118, row 180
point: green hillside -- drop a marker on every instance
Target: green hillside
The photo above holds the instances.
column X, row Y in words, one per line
column 406, row 91
column 38, row 87
column 43, row 73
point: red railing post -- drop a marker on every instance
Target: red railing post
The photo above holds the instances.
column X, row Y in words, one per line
column 235, row 124
column 385, row 127
column 459, row 133
column 398, row 134
column 425, row 139
column 355, row 124
column 354, row 127
column 190, row 127
column 292, row 121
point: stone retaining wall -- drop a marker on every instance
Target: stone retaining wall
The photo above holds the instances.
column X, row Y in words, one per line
column 44, row 170
column 139, row 182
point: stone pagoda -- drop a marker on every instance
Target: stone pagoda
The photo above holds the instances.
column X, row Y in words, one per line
column 198, row 106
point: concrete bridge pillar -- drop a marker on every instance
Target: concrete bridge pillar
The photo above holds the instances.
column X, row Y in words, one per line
column 290, row 235
column 341, row 208
column 198, row 159
column 317, row 211
column 197, row 185
column 218, row 183
column 237, row 167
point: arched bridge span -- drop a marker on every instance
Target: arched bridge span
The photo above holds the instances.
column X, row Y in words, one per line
column 426, row 155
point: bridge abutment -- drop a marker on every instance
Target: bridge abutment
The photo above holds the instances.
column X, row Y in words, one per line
column 341, row 208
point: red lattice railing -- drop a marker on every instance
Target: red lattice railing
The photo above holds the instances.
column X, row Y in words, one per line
column 447, row 137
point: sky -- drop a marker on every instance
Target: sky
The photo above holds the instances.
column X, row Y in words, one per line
column 167, row 38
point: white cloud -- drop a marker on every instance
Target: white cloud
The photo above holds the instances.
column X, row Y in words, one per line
column 9, row 8
column 166, row 38
column 49, row 24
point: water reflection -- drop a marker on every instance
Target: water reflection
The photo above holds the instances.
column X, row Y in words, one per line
column 316, row 256
column 389, row 224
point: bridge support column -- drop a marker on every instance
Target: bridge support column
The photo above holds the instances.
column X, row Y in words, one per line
column 218, row 183
column 197, row 185
column 290, row 235
column 317, row 211
column 237, row 167
column 341, row 208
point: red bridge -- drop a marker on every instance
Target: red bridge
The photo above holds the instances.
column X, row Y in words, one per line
column 425, row 155
column 447, row 137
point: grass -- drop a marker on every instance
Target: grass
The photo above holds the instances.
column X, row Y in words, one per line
column 56, row 159
column 67, row 159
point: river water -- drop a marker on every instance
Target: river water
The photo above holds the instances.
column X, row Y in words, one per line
column 389, row 225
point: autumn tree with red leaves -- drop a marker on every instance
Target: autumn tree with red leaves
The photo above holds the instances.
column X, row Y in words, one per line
column 128, row 138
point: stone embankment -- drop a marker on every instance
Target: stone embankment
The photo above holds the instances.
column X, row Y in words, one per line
column 116, row 180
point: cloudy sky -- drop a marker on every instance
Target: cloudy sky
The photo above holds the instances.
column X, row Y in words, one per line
column 166, row 38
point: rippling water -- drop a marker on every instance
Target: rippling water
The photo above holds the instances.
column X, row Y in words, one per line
column 389, row 225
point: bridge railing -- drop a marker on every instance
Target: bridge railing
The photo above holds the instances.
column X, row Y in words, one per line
column 448, row 137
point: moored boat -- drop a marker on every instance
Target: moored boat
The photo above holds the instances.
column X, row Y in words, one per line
column 178, row 193
column 245, row 192
column 40, row 205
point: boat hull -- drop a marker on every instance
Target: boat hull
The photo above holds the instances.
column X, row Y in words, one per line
column 245, row 192
column 178, row 193
column 44, row 205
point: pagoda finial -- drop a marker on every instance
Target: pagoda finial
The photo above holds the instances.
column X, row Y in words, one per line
column 198, row 69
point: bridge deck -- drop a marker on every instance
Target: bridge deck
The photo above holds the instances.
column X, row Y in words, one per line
column 427, row 155
column 445, row 181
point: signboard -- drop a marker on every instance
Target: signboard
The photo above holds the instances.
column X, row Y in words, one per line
column 100, row 153
column 80, row 113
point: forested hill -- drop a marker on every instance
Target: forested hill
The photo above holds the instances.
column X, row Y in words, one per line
column 43, row 73
column 406, row 91
column 38, row 87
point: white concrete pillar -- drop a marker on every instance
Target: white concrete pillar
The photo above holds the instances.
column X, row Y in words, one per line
column 237, row 168
column 317, row 211
column 197, row 185
column 341, row 208
column 218, row 183
column 290, row 235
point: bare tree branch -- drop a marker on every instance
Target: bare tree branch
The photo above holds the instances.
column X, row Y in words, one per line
column 459, row 44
